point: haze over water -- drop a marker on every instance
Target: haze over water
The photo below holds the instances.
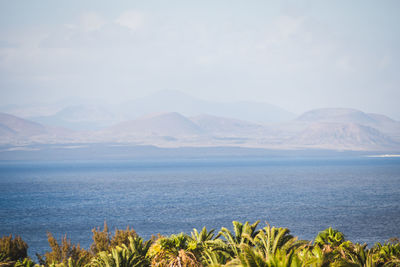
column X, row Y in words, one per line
column 295, row 55
column 172, row 115
column 359, row 196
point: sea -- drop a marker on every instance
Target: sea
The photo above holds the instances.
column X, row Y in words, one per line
column 359, row 196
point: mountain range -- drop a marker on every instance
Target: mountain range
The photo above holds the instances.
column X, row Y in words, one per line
column 329, row 128
column 172, row 100
column 87, row 115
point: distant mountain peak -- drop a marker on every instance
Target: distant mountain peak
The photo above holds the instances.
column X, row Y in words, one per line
column 164, row 114
column 21, row 126
column 344, row 129
column 347, row 115
column 323, row 113
column 157, row 124
column 188, row 105
column 343, row 136
column 170, row 93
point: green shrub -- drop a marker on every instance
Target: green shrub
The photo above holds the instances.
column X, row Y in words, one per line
column 245, row 246
column 103, row 241
column 122, row 237
column 27, row 262
column 64, row 253
column 12, row 249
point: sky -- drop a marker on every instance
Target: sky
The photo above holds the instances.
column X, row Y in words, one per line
column 298, row 56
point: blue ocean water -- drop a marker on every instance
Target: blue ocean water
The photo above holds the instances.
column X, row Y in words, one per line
column 358, row 196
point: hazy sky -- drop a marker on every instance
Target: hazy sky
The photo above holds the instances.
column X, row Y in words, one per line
column 297, row 56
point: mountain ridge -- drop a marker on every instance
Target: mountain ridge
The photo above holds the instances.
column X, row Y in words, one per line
column 335, row 129
column 94, row 116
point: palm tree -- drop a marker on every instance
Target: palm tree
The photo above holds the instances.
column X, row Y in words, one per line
column 255, row 257
column 212, row 249
column 346, row 254
column 252, row 257
column 316, row 256
column 140, row 249
column 387, row 254
column 215, row 258
column 329, row 237
column 119, row 257
column 242, row 234
column 27, row 262
column 203, row 235
column 270, row 247
column 358, row 254
column 136, row 254
column 203, row 239
column 270, row 239
column 176, row 250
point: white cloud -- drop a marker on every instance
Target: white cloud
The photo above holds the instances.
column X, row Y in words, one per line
column 70, row 26
column 92, row 21
column 288, row 26
column 345, row 64
column 293, row 55
column 284, row 28
column 384, row 62
column 131, row 19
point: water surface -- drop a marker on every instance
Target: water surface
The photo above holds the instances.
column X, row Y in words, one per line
column 359, row 196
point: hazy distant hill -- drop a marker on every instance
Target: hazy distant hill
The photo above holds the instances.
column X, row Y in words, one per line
column 80, row 117
column 170, row 126
column 6, row 131
column 31, row 110
column 226, row 126
column 346, row 115
column 336, row 115
column 17, row 126
column 311, row 130
column 170, row 100
column 335, row 129
column 342, row 115
column 84, row 115
column 343, row 136
column 15, row 130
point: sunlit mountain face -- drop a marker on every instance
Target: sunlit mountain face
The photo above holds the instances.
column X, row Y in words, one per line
column 330, row 128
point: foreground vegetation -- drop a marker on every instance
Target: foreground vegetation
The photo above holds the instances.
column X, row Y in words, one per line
column 245, row 246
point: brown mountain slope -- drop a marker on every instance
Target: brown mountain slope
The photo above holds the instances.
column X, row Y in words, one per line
column 162, row 124
column 343, row 136
column 19, row 126
column 226, row 126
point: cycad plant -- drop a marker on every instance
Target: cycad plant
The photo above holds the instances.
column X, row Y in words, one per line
column 316, row 256
column 140, row 249
column 243, row 246
column 254, row 257
column 136, row 254
column 205, row 240
column 358, row 254
column 270, row 247
column 175, row 250
column 242, row 234
column 119, row 257
column 215, row 258
column 330, row 237
column 270, row 239
column 388, row 253
column 27, row 262
column 202, row 236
